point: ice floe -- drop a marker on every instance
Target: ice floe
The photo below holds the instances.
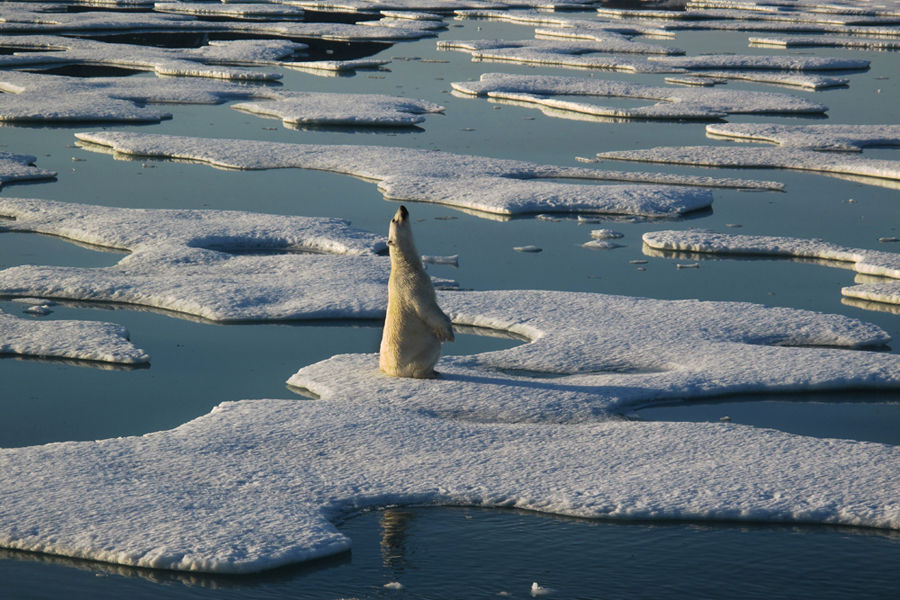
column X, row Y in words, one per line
column 487, row 185
column 259, row 483
column 866, row 262
column 767, row 63
column 205, row 61
column 20, row 167
column 800, row 80
column 231, row 10
column 216, row 265
column 582, row 54
column 299, row 108
column 672, row 102
column 845, row 138
column 868, row 170
column 75, row 340
column 830, row 41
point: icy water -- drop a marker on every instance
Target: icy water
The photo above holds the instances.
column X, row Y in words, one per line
column 441, row 553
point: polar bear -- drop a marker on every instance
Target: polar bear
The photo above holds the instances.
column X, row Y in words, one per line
column 415, row 326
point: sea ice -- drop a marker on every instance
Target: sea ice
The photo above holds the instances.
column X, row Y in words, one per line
column 299, row 108
column 673, row 102
column 845, row 138
column 492, row 186
column 32, row 97
column 184, row 62
column 207, row 263
column 583, row 54
column 830, row 163
column 231, row 10
column 75, row 340
column 768, row 63
column 801, row 80
column 258, row 483
column 867, row 262
column 20, row 167
column 825, row 41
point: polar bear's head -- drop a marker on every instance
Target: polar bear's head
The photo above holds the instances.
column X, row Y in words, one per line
column 400, row 238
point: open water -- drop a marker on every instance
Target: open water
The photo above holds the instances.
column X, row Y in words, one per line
column 461, row 552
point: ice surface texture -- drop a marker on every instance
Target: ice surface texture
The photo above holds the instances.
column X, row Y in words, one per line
column 866, row 262
column 76, row 340
column 257, row 484
column 673, row 103
column 845, row 138
column 53, row 98
column 504, row 187
column 197, row 262
column 299, row 108
column 20, row 167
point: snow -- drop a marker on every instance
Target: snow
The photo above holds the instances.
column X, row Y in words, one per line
column 845, row 138
column 829, row 163
column 672, row 103
column 830, row 41
column 773, row 63
column 75, row 340
column 801, row 80
column 300, row 108
column 867, row 262
column 259, row 483
column 183, row 62
column 492, row 186
column 20, row 167
column 584, row 54
column 231, row 10
column 191, row 262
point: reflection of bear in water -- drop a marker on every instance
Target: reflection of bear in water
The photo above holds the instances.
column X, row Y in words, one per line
column 415, row 326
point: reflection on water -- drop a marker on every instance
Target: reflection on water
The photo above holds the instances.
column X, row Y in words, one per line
column 486, row 553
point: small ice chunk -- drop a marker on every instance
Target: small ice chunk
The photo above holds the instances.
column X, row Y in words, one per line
column 441, row 260
column 393, row 585
column 601, row 245
column 687, row 266
column 539, row 590
column 38, row 309
column 606, row 234
column 528, row 248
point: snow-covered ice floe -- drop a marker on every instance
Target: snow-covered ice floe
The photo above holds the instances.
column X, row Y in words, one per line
column 260, row 483
column 216, row 265
column 206, row 61
column 672, row 102
column 867, row 170
column 832, row 41
column 865, row 262
column 20, row 167
column 232, row 10
column 767, row 63
column 32, row 97
column 74, row 340
column 799, row 80
column 487, row 185
column 312, row 108
column 844, row 138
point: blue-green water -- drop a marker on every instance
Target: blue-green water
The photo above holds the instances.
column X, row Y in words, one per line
column 440, row 553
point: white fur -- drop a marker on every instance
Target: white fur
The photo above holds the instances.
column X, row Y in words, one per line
column 415, row 326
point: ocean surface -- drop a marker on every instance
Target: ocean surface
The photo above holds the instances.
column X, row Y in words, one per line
column 421, row 552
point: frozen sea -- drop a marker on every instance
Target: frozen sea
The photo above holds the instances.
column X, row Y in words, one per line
column 427, row 552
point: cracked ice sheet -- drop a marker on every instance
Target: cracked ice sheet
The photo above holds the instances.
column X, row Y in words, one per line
column 76, row 340
column 184, row 261
column 868, row 170
column 845, row 138
column 20, row 167
column 257, row 484
column 299, row 108
column 867, row 262
column 673, row 102
column 493, row 186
